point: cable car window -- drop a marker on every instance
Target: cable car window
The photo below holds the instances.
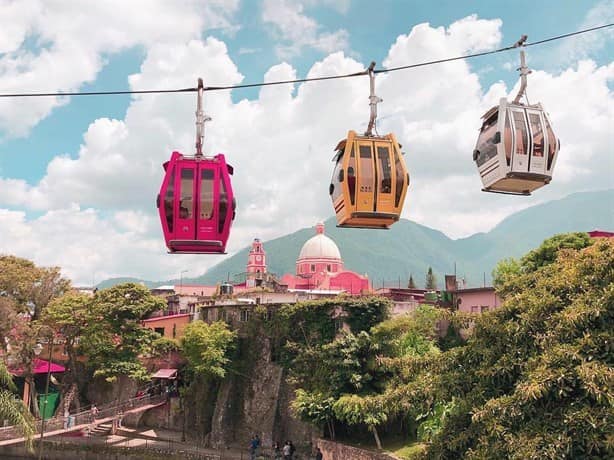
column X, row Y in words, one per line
column 399, row 176
column 206, row 193
column 507, row 138
column 538, row 135
column 223, row 206
column 335, row 185
column 486, row 147
column 186, row 204
column 383, row 156
column 352, row 176
column 366, row 169
column 521, row 134
column 169, row 200
column 551, row 143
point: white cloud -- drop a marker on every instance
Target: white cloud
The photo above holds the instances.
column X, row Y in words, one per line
column 297, row 30
column 281, row 146
column 65, row 33
column 586, row 45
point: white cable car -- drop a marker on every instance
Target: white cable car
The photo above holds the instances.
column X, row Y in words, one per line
column 516, row 150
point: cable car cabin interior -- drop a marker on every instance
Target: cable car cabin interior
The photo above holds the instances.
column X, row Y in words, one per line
column 196, row 204
column 516, row 149
column 369, row 181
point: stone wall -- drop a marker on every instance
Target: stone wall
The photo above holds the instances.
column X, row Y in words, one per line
column 337, row 451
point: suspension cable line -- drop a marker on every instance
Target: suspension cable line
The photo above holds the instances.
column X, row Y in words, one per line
column 303, row 80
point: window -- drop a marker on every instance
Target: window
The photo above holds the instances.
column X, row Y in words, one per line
column 328, row 268
column 186, row 204
column 484, row 308
column 507, row 138
column 174, row 331
column 487, row 149
column 206, row 193
column 244, row 316
column 538, row 135
column 169, row 200
column 313, row 268
column 223, row 206
column 335, row 189
column 366, row 169
column 159, row 330
column 352, row 176
column 399, row 176
column 475, row 309
column 383, row 157
column 551, row 144
column 521, row 133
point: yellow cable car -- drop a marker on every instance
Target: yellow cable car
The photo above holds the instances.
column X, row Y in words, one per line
column 370, row 178
column 516, row 150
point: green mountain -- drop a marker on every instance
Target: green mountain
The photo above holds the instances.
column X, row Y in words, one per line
column 388, row 257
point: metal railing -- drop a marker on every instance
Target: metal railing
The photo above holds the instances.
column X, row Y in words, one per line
column 112, row 410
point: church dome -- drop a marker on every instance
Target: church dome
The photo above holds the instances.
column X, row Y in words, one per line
column 320, row 247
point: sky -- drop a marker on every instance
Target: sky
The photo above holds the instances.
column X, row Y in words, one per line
column 79, row 175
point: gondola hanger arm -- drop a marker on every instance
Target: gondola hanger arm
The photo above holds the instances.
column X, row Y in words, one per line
column 373, row 100
column 201, row 118
column 524, row 70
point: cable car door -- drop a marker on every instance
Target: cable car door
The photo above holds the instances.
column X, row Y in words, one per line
column 520, row 156
column 365, row 192
column 538, row 140
column 385, row 197
column 207, row 191
column 185, row 187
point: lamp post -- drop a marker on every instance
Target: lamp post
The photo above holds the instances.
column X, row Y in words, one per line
column 50, row 347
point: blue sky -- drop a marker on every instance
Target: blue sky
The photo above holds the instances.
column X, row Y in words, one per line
column 57, row 157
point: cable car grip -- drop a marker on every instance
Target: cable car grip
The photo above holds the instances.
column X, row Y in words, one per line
column 201, row 118
column 373, row 100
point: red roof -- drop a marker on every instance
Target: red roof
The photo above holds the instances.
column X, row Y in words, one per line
column 160, row 318
column 601, row 234
column 40, row 366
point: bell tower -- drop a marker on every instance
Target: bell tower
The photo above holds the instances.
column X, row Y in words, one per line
column 256, row 264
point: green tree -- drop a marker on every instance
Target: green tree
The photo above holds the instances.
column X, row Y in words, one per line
column 207, row 347
column 69, row 315
column 411, row 284
column 114, row 338
column 535, row 379
column 315, row 408
column 431, row 282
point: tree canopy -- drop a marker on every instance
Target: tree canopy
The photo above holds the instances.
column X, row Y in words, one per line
column 207, row 347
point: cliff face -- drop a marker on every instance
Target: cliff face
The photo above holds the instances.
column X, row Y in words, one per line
column 256, row 401
column 254, row 398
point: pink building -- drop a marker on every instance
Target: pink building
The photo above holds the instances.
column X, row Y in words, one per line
column 319, row 267
column 477, row 300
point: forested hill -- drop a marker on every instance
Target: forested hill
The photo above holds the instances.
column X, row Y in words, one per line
column 390, row 256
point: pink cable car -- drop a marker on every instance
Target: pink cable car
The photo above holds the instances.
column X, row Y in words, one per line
column 196, row 203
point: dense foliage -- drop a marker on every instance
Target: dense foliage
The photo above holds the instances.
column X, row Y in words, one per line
column 535, row 380
column 207, row 347
column 114, row 337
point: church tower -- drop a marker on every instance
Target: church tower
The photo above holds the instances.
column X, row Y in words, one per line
column 256, row 264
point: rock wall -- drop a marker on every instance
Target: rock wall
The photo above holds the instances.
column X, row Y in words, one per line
column 337, row 451
column 256, row 401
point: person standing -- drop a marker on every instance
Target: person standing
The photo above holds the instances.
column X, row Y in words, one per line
column 287, row 451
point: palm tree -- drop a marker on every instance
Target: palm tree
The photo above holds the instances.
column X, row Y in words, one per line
column 11, row 407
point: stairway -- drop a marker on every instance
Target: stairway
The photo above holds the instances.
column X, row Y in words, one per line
column 102, row 430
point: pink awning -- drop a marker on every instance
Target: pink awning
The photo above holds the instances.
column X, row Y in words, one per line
column 40, row 366
column 165, row 374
